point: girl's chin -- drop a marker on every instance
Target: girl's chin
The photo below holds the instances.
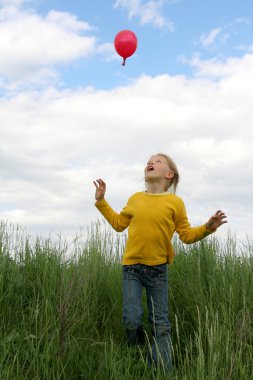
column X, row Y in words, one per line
column 150, row 178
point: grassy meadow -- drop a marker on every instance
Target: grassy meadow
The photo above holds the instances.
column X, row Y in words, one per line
column 60, row 310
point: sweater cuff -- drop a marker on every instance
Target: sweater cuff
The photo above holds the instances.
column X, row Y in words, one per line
column 208, row 231
column 100, row 203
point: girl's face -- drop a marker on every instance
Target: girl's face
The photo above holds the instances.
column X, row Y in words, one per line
column 157, row 168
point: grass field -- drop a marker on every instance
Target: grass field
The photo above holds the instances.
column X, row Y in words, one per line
column 60, row 310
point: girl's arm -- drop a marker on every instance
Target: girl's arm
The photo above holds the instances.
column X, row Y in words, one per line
column 189, row 234
column 118, row 221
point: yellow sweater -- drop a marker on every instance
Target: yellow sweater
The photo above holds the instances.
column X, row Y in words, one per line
column 152, row 219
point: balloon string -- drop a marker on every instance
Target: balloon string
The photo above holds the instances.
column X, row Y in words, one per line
column 124, row 62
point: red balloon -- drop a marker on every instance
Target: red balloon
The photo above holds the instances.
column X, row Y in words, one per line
column 125, row 44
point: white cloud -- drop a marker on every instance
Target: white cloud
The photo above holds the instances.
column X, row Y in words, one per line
column 108, row 52
column 237, row 68
column 31, row 45
column 15, row 3
column 210, row 38
column 67, row 21
column 54, row 143
column 220, row 36
column 149, row 12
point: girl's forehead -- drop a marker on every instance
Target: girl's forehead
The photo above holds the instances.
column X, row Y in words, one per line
column 156, row 157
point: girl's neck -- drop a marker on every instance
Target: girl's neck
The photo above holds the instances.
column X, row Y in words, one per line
column 155, row 188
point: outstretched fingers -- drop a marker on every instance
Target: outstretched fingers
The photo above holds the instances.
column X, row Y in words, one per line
column 100, row 189
column 221, row 217
column 99, row 182
column 216, row 220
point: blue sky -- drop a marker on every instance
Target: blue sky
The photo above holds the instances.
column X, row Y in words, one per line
column 183, row 29
column 70, row 113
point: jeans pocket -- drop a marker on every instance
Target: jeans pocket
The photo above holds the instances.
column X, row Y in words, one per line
column 160, row 270
column 129, row 268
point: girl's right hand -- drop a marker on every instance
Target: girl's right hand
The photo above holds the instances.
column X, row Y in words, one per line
column 100, row 189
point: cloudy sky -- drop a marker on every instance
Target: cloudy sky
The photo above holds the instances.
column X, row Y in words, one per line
column 71, row 113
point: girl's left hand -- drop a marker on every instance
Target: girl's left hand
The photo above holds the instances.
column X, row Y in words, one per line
column 216, row 221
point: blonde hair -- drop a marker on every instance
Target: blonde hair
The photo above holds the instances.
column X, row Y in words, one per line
column 173, row 182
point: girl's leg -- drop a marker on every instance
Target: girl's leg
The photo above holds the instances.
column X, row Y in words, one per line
column 132, row 304
column 156, row 285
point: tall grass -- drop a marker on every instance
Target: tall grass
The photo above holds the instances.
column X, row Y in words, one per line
column 60, row 310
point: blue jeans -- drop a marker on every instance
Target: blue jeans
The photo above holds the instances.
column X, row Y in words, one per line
column 154, row 279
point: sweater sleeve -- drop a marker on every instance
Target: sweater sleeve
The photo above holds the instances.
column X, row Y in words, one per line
column 186, row 232
column 119, row 222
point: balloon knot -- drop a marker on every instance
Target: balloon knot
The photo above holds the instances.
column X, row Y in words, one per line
column 124, row 62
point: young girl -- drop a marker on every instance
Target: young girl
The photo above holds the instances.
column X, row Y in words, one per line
column 152, row 217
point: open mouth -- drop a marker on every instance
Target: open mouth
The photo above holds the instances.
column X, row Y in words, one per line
column 150, row 168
